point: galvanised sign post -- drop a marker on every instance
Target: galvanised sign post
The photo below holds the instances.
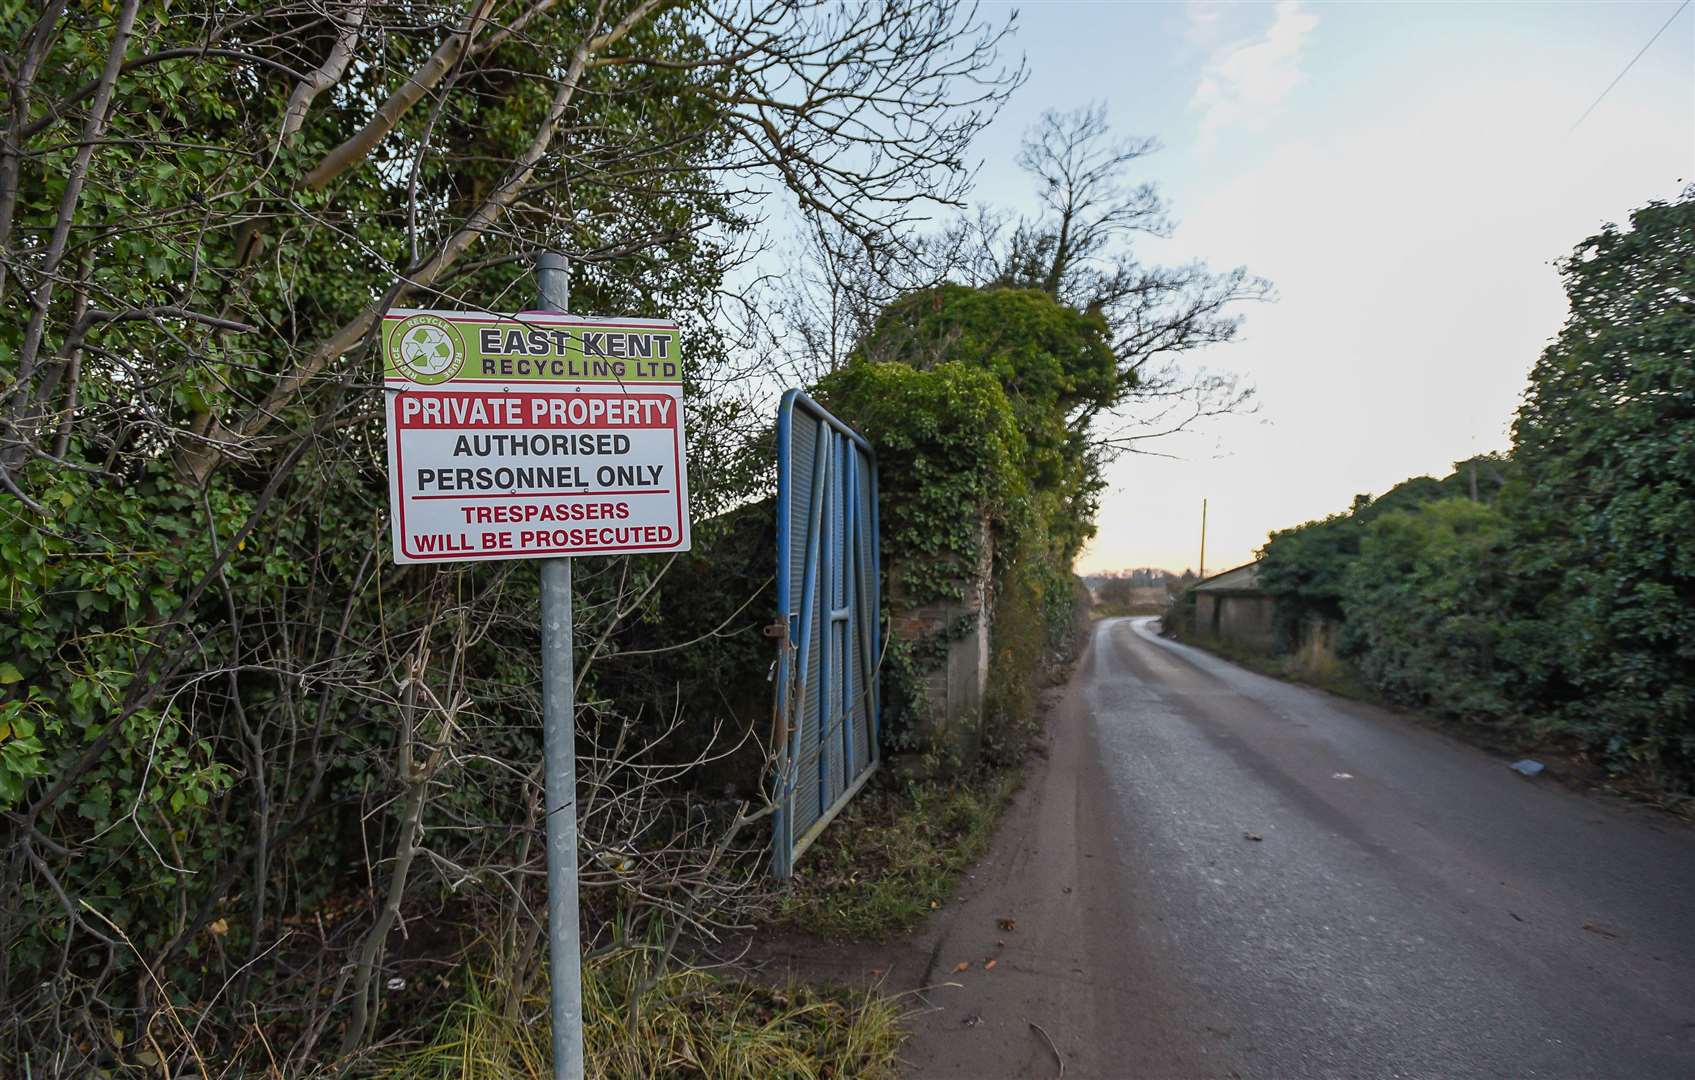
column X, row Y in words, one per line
column 538, row 436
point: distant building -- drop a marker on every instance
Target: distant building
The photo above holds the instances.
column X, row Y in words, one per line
column 1232, row 607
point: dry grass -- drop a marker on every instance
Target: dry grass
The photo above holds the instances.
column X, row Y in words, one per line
column 689, row 1023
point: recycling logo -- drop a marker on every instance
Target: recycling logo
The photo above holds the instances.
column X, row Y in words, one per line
column 426, row 349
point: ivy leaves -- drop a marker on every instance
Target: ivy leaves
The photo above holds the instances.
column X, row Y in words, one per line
column 969, row 396
column 948, row 453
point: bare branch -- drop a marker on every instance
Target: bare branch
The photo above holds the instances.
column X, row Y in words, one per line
column 409, row 93
column 328, row 73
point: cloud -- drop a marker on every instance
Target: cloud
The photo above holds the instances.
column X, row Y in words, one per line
column 1245, row 80
column 1204, row 25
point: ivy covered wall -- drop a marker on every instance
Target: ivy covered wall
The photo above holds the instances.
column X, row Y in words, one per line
column 978, row 403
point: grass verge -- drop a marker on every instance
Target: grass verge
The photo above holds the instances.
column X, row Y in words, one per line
column 1568, row 761
column 1326, row 674
column 687, row 1024
column 893, row 856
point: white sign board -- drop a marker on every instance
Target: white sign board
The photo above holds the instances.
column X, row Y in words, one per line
column 533, row 436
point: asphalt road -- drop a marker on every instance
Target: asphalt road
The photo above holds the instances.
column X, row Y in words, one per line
column 1218, row 874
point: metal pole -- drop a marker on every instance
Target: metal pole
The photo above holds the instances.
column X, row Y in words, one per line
column 558, row 711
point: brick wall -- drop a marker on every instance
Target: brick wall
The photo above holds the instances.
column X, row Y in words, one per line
column 954, row 687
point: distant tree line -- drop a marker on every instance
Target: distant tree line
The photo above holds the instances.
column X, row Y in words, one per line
column 1145, row 590
column 1140, row 577
column 1548, row 592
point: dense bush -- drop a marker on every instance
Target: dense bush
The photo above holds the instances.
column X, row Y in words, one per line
column 948, row 451
column 1306, row 567
column 1424, row 608
column 1604, row 506
column 1552, row 591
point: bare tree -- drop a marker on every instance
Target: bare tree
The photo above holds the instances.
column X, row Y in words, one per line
column 862, row 112
column 833, row 288
column 1081, row 250
column 1079, row 169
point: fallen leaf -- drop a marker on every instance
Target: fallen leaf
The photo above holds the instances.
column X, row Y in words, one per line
column 963, row 965
column 1007, row 924
column 989, row 965
column 1596, row 928
column 876, row 973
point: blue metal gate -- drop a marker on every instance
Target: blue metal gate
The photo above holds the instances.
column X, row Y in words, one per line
column 829, row 585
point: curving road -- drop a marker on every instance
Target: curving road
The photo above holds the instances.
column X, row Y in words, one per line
column 1218, row 874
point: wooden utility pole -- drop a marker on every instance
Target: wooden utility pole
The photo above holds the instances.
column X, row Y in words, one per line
column 1203, row 573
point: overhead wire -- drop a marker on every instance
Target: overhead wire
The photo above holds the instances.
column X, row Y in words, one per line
column 1628, row 66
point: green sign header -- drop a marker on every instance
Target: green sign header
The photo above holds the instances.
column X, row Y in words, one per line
column 434, row 347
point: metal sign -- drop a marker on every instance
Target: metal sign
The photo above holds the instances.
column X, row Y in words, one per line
column 533, row 435
column 829, row 588
column 538, row 436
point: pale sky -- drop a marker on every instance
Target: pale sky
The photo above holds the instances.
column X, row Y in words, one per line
column 1405, row 174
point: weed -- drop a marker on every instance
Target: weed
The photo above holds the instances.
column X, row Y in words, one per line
column 894, row 855
column 1312, row 665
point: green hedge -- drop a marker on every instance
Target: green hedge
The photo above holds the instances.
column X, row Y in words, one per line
column 1553, row 591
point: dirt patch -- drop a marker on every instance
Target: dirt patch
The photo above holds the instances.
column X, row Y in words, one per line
column 927, row 969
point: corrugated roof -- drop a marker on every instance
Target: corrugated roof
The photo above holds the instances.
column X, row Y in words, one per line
column 1244, row 578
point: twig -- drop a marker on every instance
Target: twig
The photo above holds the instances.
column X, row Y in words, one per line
column 169, row 1010
column 1049, row 1039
